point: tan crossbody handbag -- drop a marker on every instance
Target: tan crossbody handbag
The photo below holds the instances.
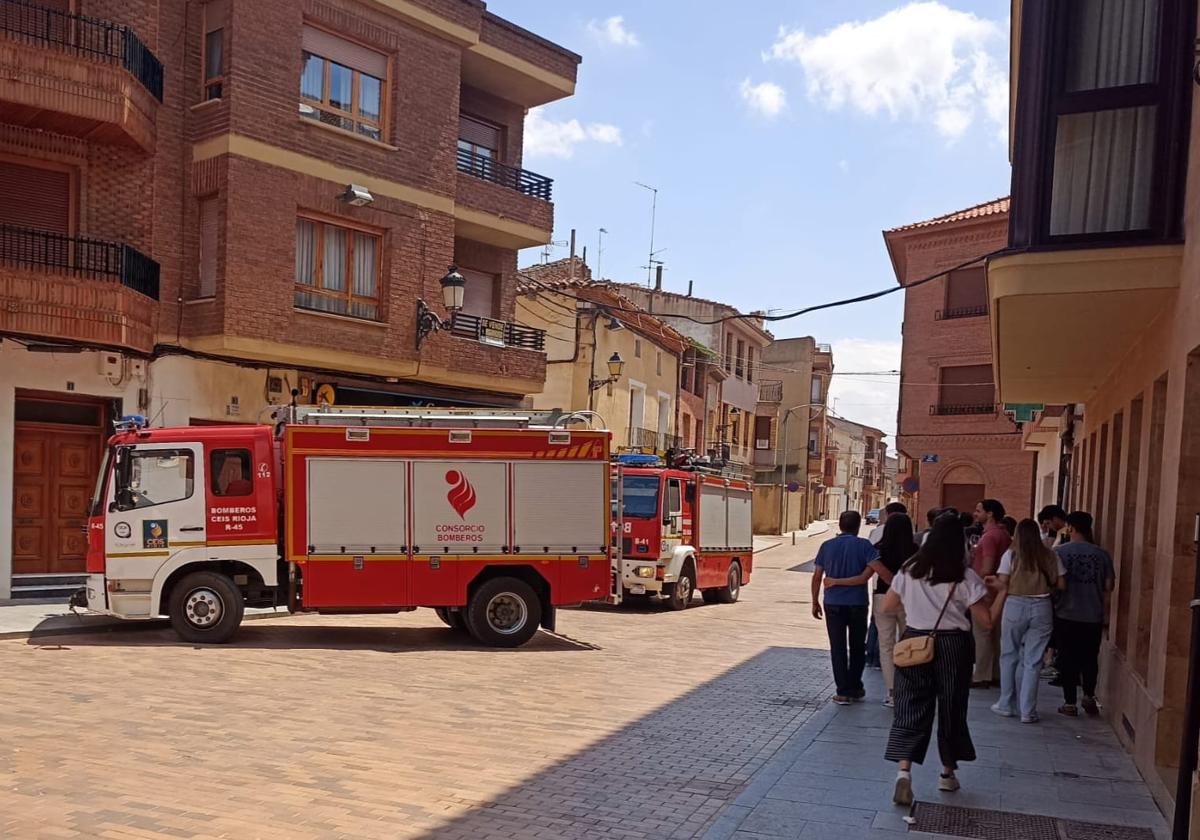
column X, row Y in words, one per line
column 918, row 650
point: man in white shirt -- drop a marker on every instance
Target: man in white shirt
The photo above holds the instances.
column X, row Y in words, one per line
column 877, row 532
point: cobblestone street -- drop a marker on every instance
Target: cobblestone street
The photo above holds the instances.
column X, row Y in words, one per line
column 634, row 723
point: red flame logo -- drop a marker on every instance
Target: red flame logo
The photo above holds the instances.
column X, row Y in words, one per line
column 461, row 495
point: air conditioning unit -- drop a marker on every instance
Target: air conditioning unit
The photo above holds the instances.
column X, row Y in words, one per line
column 110, row 365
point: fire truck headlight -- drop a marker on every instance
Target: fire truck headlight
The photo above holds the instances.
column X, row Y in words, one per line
column 644, row 571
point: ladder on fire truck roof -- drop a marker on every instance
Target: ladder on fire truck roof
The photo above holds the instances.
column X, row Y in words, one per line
column 459, row 418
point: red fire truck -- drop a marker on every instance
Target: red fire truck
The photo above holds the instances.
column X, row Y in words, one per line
column 491, row 518
column 679, row 530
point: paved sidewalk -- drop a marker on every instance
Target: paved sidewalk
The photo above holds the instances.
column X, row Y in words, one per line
column 830, row 779
column 21, row 618
column 768, row 541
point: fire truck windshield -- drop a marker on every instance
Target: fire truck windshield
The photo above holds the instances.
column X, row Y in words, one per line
column 640, row 496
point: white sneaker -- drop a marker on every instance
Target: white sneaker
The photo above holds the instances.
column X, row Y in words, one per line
column 949, row 784
column 889, row 701
column 1000, row 710
column 902, row 794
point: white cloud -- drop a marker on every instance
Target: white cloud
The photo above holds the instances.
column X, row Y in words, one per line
column 765, row 98
column 551, row 138
column 613, row 31
column 923, row 61
column 844, row 165
column 871, row 400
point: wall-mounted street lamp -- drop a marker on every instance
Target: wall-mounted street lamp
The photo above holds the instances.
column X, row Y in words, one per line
column 615, row 365
column 453, row 287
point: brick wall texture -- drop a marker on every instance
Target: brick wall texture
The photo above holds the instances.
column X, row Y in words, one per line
column 972, row 449
column 150, row 199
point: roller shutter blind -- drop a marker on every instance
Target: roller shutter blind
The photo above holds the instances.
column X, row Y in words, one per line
column 35, row 198
column 327, row 45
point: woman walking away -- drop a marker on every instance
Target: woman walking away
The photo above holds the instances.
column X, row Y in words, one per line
column 1028, row 573
column 1079, row 616
column 936, row 590
column 896, row 547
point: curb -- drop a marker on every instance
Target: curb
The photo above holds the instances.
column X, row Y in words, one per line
column 116, row 625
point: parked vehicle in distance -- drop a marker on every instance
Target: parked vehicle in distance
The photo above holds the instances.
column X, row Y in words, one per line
column 484, row 515
column 677, row 531
column 873, row 516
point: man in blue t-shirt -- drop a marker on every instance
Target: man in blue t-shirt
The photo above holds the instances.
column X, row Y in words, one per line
column 845, row 556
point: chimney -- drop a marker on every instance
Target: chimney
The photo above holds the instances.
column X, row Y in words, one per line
column 572, row 244
column 584, row 258
column 658, row 278
column 689, row 288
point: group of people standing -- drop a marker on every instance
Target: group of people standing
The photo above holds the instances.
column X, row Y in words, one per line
column 994, row 595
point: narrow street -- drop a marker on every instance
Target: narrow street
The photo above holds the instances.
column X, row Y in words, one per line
column 635, row 722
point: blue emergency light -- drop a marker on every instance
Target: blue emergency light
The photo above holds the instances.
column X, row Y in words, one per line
column 634, row 459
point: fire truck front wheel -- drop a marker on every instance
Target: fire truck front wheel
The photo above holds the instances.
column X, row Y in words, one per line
column 679, row 594
column 504, row 612
column 206, row 608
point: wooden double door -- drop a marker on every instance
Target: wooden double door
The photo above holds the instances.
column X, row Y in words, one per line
column 54, row 473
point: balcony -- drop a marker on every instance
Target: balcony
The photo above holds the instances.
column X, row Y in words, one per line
column 640, row 438
column 77, row 289
column 960, row 312
column 961, row 409
column 770, row 391
column 77, row 75
column 497, row 333
column 502, row 205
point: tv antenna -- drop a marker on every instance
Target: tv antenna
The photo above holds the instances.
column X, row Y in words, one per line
column 653, row 213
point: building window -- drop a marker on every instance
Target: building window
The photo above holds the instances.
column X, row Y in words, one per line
column 762, row 432
column 658, row 362
column 337, row 269
column 209, row 225
column 750, row 364
column 637, row 348
column 966, row 293
column 816, row 391
column 479, row 295
column 814, row 443
column 966, row 389
column 478, row 145
column 1103, row 97
column 740, row 370
column 342, row 84
column 728, row 352
column 216, row 14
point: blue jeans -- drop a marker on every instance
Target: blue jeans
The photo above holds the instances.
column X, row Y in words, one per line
column 1024, row 632
column 847, row 628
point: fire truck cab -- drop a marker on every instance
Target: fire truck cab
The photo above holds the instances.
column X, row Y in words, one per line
column 677, row 531
column 492, row 518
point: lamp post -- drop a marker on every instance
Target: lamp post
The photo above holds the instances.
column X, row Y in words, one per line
column 615, row 365
column 787, row 415
column 453, row 288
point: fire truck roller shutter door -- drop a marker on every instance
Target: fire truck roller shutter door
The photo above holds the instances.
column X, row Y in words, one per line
column 357, row 506
column 714, row 527
column 460, row 507
column 558, row 508
column 740, row 534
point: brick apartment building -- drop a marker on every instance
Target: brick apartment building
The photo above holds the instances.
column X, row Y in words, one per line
column 1096, row 305
column 177, row 237
column 961, row 446
column 854, row 461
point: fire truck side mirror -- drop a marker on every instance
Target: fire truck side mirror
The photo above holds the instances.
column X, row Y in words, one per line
column 122, row 495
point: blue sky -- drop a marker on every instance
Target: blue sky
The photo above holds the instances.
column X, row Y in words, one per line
column 783, row 137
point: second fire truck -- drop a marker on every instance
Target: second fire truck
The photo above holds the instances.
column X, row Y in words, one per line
column 678, row 531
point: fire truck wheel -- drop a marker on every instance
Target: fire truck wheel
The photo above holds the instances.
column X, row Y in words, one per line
column 504, row 612
column 679, row 594
column 206, row 607
column 451, row 618
column 729, row 593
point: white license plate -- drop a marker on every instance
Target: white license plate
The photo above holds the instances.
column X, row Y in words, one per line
column 637, row 590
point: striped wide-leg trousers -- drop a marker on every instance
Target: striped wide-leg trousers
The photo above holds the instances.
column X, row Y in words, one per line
column 944, row 686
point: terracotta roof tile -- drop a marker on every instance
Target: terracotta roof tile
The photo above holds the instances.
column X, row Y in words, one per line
column 979, row 211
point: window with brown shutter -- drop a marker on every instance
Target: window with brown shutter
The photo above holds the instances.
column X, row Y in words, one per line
column 966, row 389
column 762, row 432
column 35, row 197
column 966, row 293
column 479, row 295
column 342, row 83
column 208, row 247
column 216, row 15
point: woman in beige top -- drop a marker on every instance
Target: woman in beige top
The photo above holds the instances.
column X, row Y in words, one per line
column 1028, row 573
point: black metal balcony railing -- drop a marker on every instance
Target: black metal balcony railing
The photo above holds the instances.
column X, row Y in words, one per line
column 960, row 312
column 650, row 439
column 88, row 36
column 497, row 333
column 515, row 178
column 950, row 409
column 96, row 259
column 770, row 391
